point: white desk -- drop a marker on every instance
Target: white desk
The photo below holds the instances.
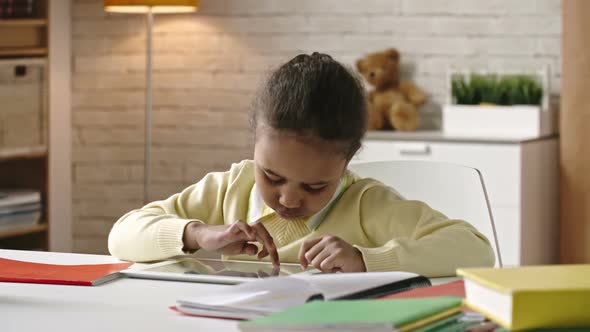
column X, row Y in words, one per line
column 121, row 305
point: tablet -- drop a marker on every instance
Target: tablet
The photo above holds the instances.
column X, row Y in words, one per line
column 216, row 271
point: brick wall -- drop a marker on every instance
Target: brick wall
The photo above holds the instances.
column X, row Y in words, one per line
column 207, row 65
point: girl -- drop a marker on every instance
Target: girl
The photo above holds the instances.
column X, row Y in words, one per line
column 296, row 200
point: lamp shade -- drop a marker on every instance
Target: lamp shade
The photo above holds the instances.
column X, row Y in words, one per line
column 156, row 6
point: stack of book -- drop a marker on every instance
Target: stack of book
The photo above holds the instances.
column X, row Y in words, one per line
column 531, row 297
column 18, row 8
column 19, row 208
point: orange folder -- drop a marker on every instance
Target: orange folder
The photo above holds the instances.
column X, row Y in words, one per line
column 83, row 275
column 454, row 288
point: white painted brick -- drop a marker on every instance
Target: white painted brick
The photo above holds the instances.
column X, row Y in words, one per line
column 108, row 81
column 91, row 173
column 190, row 80
column 202, row 98
column 216, row 7
column 497, row 7
column 264, row 24
column 201, row 118
column 208, row 156
column 110, row 191
column 112, row 136
column 329, row 24
column 108, row 45
column 100, row 118
column 202, row 136
column 114, row 25
column 266, row 7
column 201, row 62
column 160, row 191
column 438, row 65
column 91, row 227
column 527, row 25
column 107, row 99
column 310, row 43
column 262, row 62
column 187, row 43
column 350, row 6
column 193, row 173
column 109, row 63
column 85, row 10
column 90, row 245
column 107, row 154
column 199, row 23
column 137, row 172
column 467, row 46
column 549, row 46
column 163, row 173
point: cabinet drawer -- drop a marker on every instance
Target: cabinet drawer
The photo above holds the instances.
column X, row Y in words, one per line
column 498, row 163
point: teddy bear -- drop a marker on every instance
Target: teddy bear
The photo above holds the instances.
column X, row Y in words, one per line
column 392, row 103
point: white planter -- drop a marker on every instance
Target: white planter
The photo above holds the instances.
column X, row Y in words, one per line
column 504, row 121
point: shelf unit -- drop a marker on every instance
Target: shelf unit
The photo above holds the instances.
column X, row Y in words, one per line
column 23, row 51
column 25, row 164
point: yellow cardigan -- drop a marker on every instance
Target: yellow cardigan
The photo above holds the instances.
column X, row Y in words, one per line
column 392, row 234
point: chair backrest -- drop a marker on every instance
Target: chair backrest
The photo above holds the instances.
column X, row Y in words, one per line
column 457, row 191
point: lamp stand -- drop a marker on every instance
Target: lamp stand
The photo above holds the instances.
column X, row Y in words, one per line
column 148, row 108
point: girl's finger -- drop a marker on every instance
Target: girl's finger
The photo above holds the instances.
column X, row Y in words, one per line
column 264, row 237
column 330, row 264
column 249, row 249
column 246, row 229
column 307, row 244
column 319, row 258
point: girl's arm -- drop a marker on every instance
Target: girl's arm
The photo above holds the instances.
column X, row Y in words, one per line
column 411, row 236
column 155, row 231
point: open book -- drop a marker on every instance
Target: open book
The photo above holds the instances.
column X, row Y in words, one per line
column 271, row 295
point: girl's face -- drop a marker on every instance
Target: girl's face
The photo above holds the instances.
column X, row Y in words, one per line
column 296, row 176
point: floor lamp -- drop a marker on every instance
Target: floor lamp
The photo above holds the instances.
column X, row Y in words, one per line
column 149, row 8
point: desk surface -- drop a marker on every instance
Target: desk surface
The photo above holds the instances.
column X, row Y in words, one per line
column 121, row 305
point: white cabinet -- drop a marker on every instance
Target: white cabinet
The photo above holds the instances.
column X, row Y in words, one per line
column 521, row 177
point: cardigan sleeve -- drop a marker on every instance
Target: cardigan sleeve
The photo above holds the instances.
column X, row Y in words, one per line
column 155, row 231
column 410, row 236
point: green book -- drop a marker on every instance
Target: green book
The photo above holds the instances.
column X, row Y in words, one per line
column 361, row 315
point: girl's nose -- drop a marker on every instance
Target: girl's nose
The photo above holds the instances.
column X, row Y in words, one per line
column 290, row 200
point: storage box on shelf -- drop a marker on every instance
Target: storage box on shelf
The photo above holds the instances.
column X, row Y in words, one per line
column 24, row 125
column 521, row 177
column 491, row 118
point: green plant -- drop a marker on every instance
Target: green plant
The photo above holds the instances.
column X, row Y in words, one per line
column 493, row 89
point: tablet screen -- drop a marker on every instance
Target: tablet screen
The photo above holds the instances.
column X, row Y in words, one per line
column 247, row 269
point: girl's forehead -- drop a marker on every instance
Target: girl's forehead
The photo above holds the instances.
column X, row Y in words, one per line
column 305, row 160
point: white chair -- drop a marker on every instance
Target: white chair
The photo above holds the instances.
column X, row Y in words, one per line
column 457, row 191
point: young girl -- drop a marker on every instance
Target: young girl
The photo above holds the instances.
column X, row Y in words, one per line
column 296, row 201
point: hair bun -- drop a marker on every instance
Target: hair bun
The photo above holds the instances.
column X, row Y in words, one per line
column 307, row 59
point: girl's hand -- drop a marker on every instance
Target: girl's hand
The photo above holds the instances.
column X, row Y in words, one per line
column 231, row 239
column 331, row 254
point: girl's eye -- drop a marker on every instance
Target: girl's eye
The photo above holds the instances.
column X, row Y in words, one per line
column 273, row 181
column 313, row 189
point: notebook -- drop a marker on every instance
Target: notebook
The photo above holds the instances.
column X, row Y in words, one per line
column 531, row 297
column 270, row 295
column 83, row 275
column 358, row 315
